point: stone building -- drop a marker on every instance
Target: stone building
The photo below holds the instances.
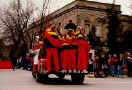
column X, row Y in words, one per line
column 89, row 15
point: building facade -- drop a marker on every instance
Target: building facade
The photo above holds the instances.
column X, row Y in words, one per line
column 91, row 16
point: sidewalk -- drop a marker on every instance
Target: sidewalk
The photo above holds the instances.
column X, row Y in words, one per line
column 92, row 76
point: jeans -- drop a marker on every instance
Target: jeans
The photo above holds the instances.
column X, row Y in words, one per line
column 94, row 67
column 112, row 70
column 119, row 70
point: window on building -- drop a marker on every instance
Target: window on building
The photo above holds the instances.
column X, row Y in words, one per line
column 98, row 32
column 87, row 27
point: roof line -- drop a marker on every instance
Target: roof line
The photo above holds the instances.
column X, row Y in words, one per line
column 81, row 1
column 79, row 7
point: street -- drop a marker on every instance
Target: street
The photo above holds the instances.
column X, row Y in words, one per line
column 22, row 80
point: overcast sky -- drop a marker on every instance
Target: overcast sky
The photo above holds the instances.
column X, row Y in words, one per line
column 56, row 4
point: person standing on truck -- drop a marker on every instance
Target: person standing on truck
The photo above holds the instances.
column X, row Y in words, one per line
column 83, row 54
column 70, row 25
column 36, row 50
column 68, row 53
column 63, row 52
column 83, row 50
column 52, row 43
column 72, row 51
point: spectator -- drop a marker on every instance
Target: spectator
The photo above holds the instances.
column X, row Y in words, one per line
column 13, row 57
column 28, row 63
column 90, row 64
column 113, row 64
column 129, row 64
column 120, row 63
column 19, row 62
column 103, row 65
column 111, row 69
column 96, row 65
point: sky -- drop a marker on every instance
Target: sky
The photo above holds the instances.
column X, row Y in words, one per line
column 56, row 4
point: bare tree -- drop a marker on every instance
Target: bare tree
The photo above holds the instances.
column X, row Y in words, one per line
column 44, row 12
column 15, row 20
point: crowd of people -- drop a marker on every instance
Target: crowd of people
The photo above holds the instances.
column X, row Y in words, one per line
column 103, row 64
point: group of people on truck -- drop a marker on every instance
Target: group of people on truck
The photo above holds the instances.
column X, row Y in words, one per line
column 67, row 51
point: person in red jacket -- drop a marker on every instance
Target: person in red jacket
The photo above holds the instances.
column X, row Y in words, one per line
column 83, row 54
column 52, row 43
column 68, row 54
column 36, row 49
column 63, row 52
column 113, row 62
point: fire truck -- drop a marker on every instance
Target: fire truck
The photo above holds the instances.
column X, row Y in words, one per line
column 71, row 57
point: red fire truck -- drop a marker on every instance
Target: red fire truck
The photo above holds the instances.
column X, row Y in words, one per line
column 61, row 57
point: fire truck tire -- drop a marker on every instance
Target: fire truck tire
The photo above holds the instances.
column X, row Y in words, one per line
column 34, row 74
column 77, row 78
column 38, row 77
column 45, row 77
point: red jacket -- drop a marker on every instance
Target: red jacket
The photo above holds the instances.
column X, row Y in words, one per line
column 52, row 41
column 84, row 44
column 38, row 45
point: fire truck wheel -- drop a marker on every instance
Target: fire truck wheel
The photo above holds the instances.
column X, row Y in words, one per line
column 38, row 77
column 77, row 78
column 34, row 74
column 45, row 77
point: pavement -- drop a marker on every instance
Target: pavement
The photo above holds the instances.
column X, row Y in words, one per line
column 23, row 80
